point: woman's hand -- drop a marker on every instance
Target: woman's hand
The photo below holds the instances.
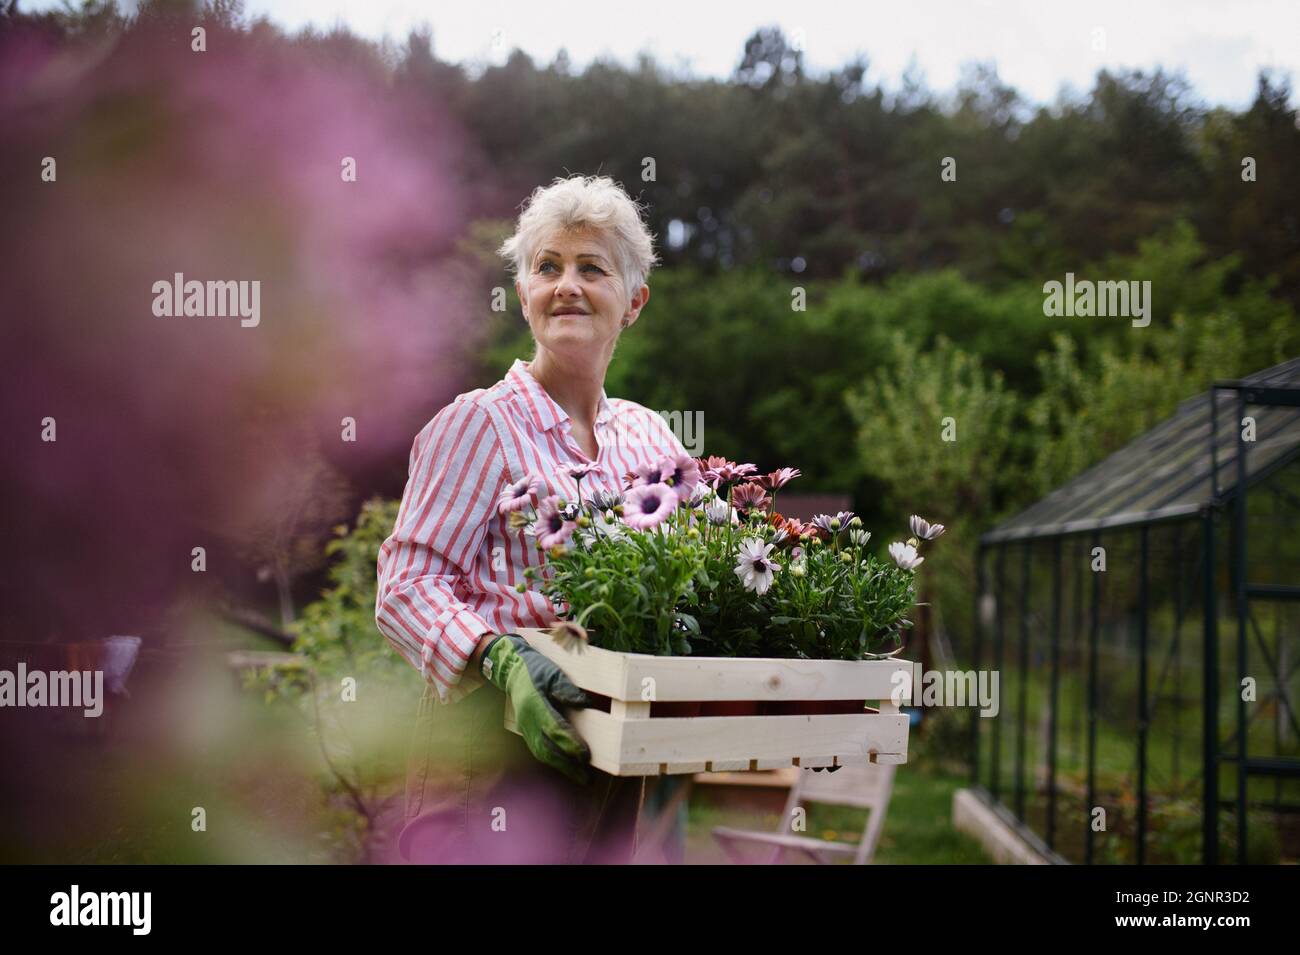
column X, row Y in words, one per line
column 536, row 688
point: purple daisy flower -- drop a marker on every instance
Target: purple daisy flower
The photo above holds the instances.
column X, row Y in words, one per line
column 924, row 530
column 579, row 471
column 833, row 523
column 719, row 512
column 699, row 494
column 646, row 505
column 519, row 495
column 604, row 499
column 658, row 473
column 552, row 528
column 682, row 474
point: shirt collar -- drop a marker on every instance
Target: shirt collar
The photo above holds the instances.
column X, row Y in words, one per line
column 545, row 411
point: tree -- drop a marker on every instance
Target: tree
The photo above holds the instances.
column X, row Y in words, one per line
column 769, row 61
column 936, row 431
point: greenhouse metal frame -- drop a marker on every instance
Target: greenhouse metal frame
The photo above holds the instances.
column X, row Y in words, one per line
column 1167, row 529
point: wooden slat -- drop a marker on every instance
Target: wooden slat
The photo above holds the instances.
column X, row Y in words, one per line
column 620, row 748
column 864, row 786
column 811, row 762
column 761, row 738
column 627, row 741
column 629, row 711
column 767, row 742
column 787, row 841
column 676, row 769
column 626, row 769
column 727, row 766
column 782, row 778
column 626, row 676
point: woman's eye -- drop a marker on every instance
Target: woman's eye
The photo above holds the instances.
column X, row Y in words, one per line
column 548, row 264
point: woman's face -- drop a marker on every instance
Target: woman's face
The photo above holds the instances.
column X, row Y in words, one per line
column 574, row 298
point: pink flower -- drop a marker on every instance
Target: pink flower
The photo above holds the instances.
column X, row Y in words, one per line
column 719, row 471
column 552, row 528
column 519, row 495
column 779, row 478
column 580, row 470
column 646, row 505
column 682, row 474
column 749, row 497
column 657, row 473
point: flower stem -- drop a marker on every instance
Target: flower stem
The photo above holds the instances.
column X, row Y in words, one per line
column 730, row 537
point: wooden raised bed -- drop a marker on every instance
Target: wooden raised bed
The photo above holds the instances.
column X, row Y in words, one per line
column 632, row 738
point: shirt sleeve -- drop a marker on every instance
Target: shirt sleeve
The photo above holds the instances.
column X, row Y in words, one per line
column 456, row 475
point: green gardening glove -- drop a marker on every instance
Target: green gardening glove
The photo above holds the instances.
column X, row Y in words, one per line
column 535, row 686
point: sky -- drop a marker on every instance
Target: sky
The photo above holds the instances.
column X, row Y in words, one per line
column 1040, row 46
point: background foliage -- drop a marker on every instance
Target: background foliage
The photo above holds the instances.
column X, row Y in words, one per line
column 924, row 297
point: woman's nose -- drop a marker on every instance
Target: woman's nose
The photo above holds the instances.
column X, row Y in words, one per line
column 568, row 283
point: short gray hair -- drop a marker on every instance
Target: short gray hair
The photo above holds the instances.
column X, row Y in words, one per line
column 595, row 202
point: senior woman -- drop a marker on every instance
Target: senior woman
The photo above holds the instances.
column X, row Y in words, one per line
column 448, row 574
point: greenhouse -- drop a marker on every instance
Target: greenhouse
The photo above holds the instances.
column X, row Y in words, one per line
column 1144, row 619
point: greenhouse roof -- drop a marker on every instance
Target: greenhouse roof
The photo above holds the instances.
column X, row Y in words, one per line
column 1165, row 473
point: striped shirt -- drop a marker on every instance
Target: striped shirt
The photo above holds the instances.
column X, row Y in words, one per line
column 448, row 571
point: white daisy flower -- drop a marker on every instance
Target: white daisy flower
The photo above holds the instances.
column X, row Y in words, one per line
column 755, row 569
column 905, row 555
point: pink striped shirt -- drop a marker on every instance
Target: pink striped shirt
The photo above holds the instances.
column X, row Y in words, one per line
column 447, row 573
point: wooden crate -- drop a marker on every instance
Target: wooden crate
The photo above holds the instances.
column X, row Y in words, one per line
column 629, row 741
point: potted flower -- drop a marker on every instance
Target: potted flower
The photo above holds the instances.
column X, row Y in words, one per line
column 691, row 558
